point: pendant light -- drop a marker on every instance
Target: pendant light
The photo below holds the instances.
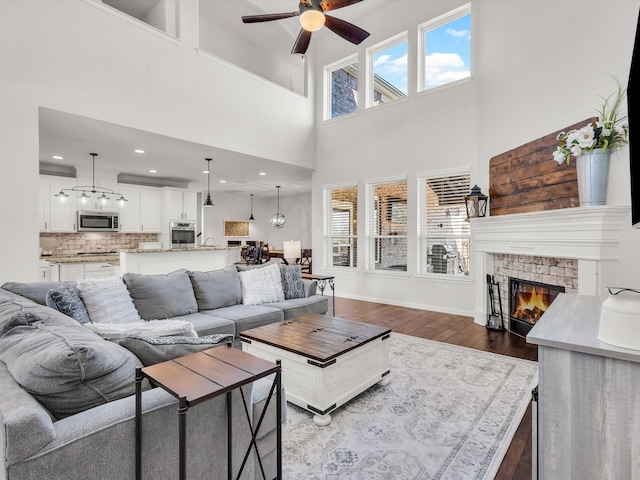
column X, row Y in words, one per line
column 208, row 202
column 83, row 189
column 278, row 220
column 251, row 216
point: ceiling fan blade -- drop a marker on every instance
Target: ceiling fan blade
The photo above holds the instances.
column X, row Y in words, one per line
column 328, row 5
column 268, row 17
column 302, row 42
column 346, row 30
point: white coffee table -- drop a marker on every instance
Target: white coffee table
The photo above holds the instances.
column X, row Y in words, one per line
column 326, row 361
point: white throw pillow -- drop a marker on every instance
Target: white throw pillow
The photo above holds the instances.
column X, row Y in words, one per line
column 107, row 300
column 261, row 285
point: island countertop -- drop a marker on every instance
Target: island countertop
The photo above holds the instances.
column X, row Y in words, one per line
column 184, row 249
column 163, row 261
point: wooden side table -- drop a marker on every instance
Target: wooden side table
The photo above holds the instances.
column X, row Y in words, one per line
column 198, row 377
column 323, row 281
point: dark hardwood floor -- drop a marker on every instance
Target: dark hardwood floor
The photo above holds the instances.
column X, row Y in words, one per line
column 461, row 331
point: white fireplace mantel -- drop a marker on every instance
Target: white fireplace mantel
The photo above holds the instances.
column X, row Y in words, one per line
column 589, row 234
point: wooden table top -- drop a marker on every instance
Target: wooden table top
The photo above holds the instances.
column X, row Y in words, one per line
column 318, row 337
column 207, row 374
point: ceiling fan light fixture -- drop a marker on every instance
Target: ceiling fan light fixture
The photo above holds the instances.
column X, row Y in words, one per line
column 312, row 20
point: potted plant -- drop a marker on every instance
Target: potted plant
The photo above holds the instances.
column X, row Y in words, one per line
column 592, row 145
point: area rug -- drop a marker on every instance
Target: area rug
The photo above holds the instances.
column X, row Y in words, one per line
column 448, row 412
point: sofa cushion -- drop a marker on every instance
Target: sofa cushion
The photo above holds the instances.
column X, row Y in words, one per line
column 67, row 369
column 261, row 285
column 152, row 350
column 292, row 281
column 66, row 300
column 216, row 288
column 250, row 316
column 35, row 291
column 296, row 307
column 107, row 300
column 208, row 323
column 161, row 296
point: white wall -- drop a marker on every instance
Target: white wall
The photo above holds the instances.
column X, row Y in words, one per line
column 259, row 59
column 235, row 206
column 537, row 66
column 77, row 57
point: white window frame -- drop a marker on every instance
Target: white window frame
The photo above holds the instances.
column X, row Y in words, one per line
column 327, row 84
column 371, row 233
column 327, row 222
column 369, row 78
column 422, row 237
column 432, row 24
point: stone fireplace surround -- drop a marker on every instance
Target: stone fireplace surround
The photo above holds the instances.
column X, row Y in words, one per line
column 588, row 235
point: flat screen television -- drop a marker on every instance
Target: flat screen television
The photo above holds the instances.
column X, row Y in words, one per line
column 634, row 132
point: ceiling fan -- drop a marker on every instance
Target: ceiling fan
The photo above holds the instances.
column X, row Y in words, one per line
column 313, row 18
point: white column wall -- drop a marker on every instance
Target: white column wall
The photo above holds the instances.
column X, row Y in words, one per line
column 76, row 57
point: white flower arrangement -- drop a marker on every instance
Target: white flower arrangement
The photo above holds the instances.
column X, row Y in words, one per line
column 608, row 132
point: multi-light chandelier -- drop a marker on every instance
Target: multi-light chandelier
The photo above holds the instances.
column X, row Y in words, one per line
column 277, row 219
column 84, row 190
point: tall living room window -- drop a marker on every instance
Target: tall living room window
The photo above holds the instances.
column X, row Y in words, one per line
column 341, row 88
column 444, row 50
column 387, row 226
column 443, row 247
column 341, row 226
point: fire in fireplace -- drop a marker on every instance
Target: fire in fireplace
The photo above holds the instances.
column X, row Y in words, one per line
column 527, row 303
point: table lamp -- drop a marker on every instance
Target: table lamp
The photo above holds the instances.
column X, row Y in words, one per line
column 291, row 251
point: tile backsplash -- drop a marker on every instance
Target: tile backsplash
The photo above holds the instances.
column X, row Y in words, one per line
column 73, row 243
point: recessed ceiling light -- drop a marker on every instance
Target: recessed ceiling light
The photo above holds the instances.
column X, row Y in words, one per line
column 153, row 171
column 205, row 172
column 139, row 150
column 223, row 181
column 262, row 173
column 57, row 157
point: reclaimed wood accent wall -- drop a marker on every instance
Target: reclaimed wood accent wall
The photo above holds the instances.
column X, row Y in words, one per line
column 528, row 179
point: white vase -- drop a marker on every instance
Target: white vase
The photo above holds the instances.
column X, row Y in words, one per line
column 593, row 173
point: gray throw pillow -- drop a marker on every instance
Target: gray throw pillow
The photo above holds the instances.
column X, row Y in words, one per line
column 217, row 288
column 157, row 297
column 67, row 369
column 152, row 350
column 66, row 300
column 292, row 281
column 34, row 291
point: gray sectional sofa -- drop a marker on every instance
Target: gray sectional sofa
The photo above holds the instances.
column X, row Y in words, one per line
column 50, row 364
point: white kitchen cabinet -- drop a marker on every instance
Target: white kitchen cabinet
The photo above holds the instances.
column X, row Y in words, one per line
column 62, row 215
column 80, row 270
column 143, row 210
column 97, row 270
column 150, row 210
column 180, row 205
column 130, row 213
column 71, row 271
column 44, row 205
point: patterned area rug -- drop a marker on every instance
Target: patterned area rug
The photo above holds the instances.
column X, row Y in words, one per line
column 448, row 412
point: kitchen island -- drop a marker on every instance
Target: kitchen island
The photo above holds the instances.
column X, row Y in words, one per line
column 162, row 261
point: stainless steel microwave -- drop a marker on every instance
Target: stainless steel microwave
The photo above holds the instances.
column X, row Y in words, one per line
column 97, row 221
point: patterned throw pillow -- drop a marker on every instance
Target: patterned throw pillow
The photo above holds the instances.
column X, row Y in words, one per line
column 67, row 301
column 292, row 281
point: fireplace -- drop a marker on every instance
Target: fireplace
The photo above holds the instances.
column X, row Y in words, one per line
column 528, row 301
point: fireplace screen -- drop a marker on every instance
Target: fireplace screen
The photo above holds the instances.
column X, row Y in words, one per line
column 527, row 303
